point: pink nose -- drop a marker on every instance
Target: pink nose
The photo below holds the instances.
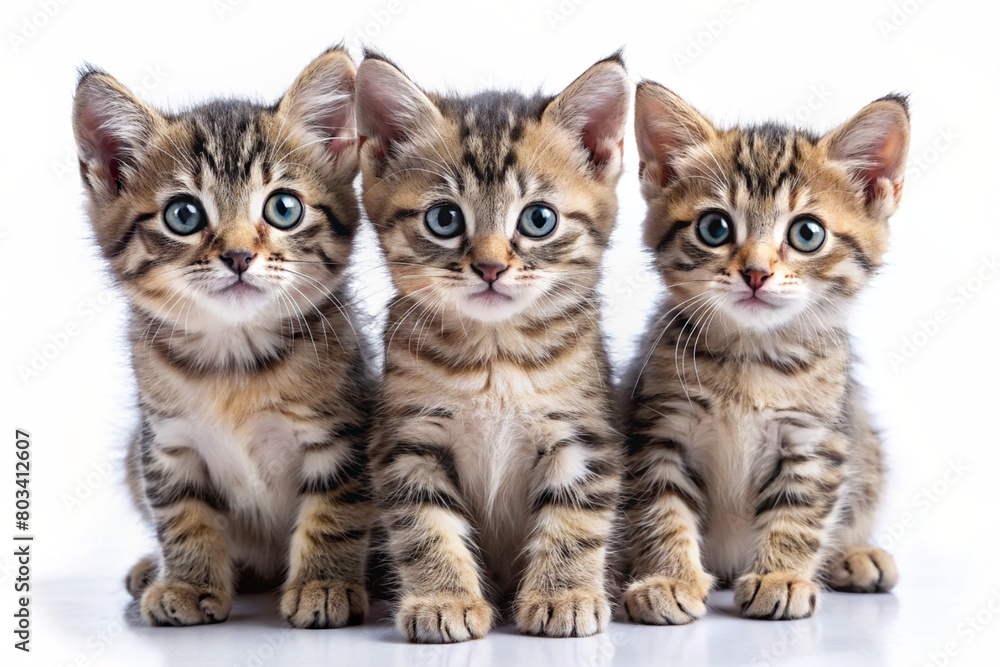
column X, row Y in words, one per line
column 755, row 277
column 238, row 261
column 488, row 271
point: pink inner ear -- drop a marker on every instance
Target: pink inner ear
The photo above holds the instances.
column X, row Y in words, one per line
column 655, row 146
column 874, row 149
column 384, row 115
column 103, row 148
column 338, row 125
column 889, row 154
column 112, row 150
column 599, row 141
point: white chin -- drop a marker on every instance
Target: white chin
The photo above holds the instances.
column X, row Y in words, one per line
column 495, row 309
column 238, row 307
column 761, row 317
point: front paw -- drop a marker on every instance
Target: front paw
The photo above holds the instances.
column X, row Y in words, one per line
column 577, row 612
column 776, row 596
column 863, row 570
column 437, row 618
column 659, row 600
column 323, row 604
column 181, row 603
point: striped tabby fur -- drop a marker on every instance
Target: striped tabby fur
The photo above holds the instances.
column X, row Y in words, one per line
column 250, row 460
column 751, row 457
column 495, row 460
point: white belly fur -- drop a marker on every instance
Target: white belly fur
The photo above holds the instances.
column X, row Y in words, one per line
column 733, row 455
column 494, row 458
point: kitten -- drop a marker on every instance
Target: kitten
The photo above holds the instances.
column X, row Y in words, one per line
column 750, row 453
column 495, row 460
column 228, row 227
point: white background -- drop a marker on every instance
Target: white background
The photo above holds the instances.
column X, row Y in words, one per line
column 736, row 60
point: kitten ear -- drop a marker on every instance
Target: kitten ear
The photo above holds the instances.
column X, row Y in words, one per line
column 112, row 128
column 321, row 103
column 595, row 108
column 873, row 147
column 390, row 107
column 666, row 127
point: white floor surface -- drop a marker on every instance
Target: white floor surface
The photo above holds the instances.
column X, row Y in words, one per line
column 930, row 620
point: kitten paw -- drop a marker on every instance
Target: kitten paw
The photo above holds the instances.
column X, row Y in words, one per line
column 777, row 596
column 438, row 618
column 863, row 570
column 181, row 603
column 577, row 612
column 323, row 604
column 667, row 601
column 141, row 576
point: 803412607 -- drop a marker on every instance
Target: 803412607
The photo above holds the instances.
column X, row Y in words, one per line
column 22, row 479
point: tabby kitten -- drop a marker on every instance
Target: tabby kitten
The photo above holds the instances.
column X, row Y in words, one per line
column 750, row 453
column 228, row 227
column 495, row 460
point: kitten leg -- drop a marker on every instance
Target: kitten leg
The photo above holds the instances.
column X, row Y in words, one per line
column 859, row 567
column 325, row 587
column 664, row 504
column 793, row 510
column 575, row 488
column 195, row 575
column 431, row 540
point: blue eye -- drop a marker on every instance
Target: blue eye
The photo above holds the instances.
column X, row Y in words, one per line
column 806, row 234
column 184, row 216
column 445, row 221
column 283, row 210
column 714, row 228
column 537, row 221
